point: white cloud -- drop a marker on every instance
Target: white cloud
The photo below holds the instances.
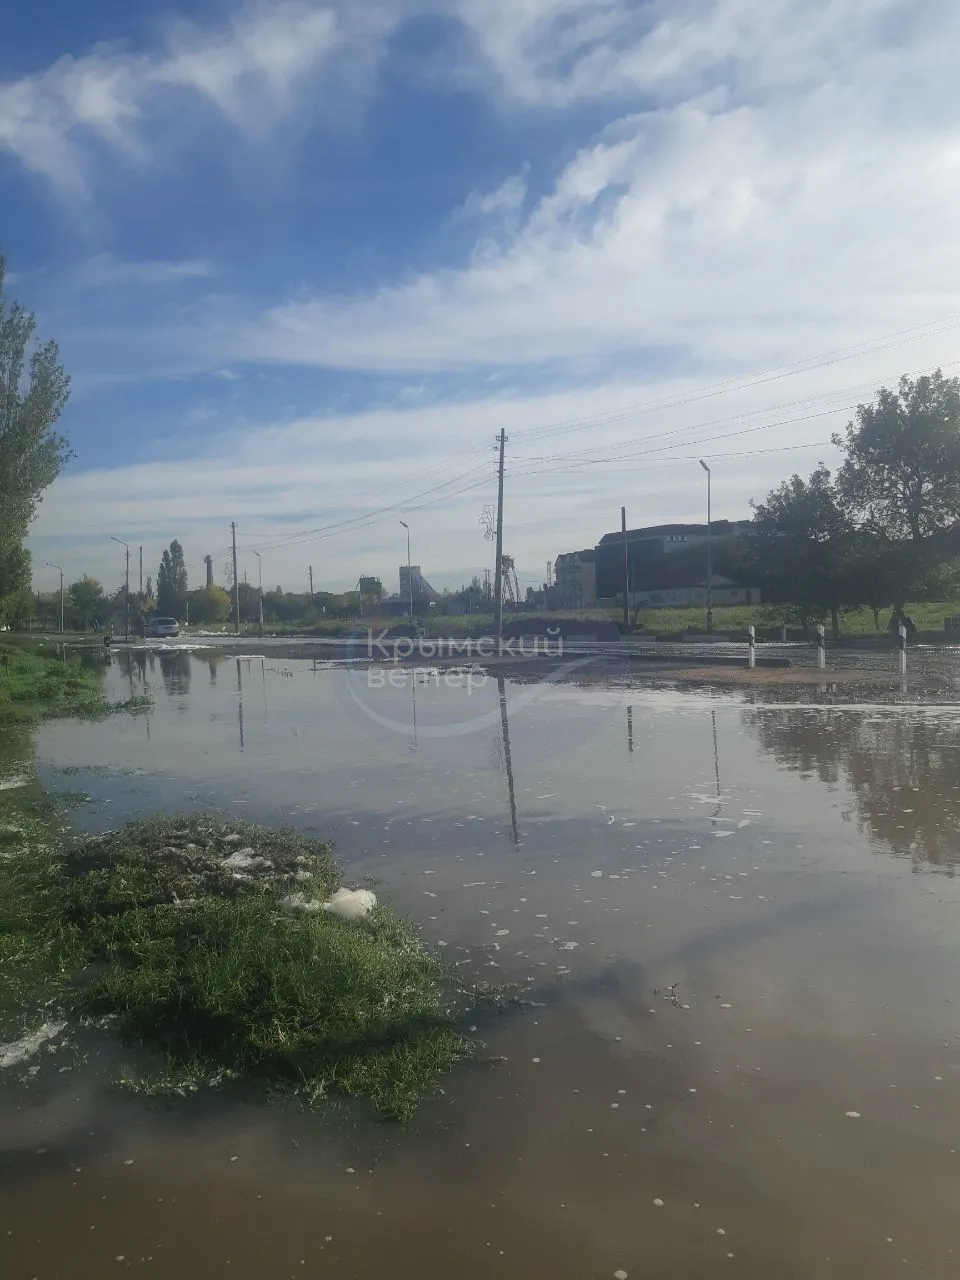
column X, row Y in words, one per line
column 777, row 178
column 803, row 197
column 110, row 94
column 107, row 270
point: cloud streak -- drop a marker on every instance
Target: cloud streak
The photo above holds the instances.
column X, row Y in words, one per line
column 53, row 120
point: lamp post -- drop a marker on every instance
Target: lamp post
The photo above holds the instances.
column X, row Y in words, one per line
column 709, row 552
column 360, row 594
column 57, row 567
column 126, row 594
column 409, row 574
column 260, row 574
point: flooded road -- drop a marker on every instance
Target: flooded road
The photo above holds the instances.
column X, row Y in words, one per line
column 737, row 924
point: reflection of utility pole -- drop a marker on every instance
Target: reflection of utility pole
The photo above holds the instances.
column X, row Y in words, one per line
column 716, row 762
column 413, row 685
column 507, row 756
column 630, row 730
column 240, row 700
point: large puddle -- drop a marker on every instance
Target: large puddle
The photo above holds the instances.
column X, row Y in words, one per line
column 738, row 926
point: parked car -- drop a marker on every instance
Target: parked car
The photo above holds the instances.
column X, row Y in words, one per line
column 165, row 627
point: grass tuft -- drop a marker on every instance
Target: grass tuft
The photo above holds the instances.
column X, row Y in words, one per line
column 147, row 930
column 36, row 687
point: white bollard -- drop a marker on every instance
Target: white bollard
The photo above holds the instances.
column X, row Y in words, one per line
column 752, row 641
column 821, row 647
column 903, row 649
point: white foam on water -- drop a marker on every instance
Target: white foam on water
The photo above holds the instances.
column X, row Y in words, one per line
column 11, row 1055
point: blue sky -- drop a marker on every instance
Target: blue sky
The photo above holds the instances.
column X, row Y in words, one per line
column 305, row 259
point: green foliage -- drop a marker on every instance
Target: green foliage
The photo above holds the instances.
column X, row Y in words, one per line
column 172, row 583
column 803, row 547
column 147, row 929
column 902, row 473
column 34, row 688
column 33, row 393
column 900, row 482
column 209, row 604
column 86, row 603
column 15, row 595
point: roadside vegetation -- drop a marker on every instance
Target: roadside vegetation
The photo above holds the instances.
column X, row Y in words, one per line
column 172, row 934
column 36, row 687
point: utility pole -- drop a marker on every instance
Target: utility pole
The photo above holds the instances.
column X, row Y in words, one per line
column 498, row 568
column 126, row 611
column 141, row 570
column 626, row 570
column 236, row 579
column 57, row 567
column 311, row 584
column 260, row 571
column 709, row 549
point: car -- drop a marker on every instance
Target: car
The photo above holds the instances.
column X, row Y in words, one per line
column 165, row 627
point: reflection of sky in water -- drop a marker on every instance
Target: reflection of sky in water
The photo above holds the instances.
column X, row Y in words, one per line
column 598, row 845
column 307, row 742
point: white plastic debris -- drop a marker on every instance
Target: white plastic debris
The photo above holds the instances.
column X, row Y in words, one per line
column 351, row 904
column 245, row 860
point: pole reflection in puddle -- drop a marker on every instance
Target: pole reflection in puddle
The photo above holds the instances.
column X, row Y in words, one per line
column 508, row 757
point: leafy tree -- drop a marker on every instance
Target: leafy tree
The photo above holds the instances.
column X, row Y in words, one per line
column 15, row 597
column 86, row 602
column 172, row 583
column 209, row 604
column 804, row 547
column 33, row 393
column 901, row 479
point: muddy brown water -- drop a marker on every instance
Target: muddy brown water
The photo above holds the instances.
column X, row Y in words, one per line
column 790, row 1108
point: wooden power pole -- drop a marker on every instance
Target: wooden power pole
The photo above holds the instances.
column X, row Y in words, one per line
column 498, row 569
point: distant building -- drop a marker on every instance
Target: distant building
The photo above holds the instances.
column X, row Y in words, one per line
column 647, row 551
column 575, row 580
column 421, row 588
column 423, row 593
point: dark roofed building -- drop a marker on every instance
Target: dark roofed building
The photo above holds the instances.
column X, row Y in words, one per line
column 650, row 552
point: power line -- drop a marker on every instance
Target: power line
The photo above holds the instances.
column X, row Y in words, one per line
column 946, row 325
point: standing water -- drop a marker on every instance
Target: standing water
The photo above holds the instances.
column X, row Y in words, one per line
column 733, row 926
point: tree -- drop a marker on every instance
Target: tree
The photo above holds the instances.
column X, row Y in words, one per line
column 172, row 583
column 86, row 602
column 15, row 599
column 901, row 478
column 209, row 604
column 31, row 451
column 804, row 546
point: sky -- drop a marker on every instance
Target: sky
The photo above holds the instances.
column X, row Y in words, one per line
column 304, row 261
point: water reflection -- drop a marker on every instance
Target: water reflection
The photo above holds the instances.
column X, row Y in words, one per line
column 508, row 756
column 901, row 770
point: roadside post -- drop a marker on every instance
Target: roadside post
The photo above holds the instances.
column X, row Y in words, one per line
column 821, row 647
column 752, row 642
column 903, row 649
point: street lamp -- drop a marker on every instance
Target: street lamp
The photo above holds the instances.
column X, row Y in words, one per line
column 260, row 568
column 57, row 567
column 409, row 574
column 126, row 596
column 709, row 552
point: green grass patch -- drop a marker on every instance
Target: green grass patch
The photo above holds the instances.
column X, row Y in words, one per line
column 147, row 931
column 36, row 687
